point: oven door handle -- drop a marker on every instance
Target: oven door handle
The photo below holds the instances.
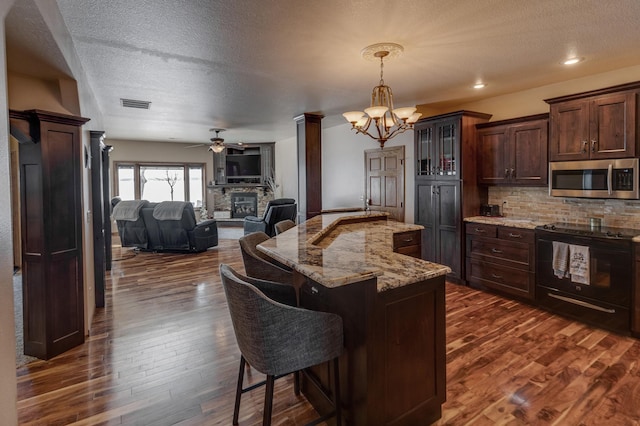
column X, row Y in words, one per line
column 610, row 178
column 581, row 303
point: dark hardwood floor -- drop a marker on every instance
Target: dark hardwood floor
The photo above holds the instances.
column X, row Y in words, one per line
column 163, row 352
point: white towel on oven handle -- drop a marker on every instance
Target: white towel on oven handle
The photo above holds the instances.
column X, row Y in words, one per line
column 560, row 257
column 579, row 264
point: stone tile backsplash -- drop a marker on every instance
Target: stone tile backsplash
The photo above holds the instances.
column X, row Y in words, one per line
column 536, row 204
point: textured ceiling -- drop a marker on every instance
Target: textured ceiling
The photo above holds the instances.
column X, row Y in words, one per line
column 251, row 66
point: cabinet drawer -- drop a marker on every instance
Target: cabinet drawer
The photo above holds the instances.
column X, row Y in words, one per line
column 500, row 277
column 406, row 239
column 516, row 234
column 413, row 251
column 496, row 250
column 482, row 229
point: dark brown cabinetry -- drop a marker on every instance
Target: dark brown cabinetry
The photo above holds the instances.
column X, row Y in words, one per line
column 393, row 367
column 594, row 125
column 51, row 218
column 408, row 243
column 446, row 188
column 501, row 258
column 514, row 152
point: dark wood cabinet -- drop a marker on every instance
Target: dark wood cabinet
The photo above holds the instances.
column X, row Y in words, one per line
column 514, row 152
column 594, row 125
column 393, row 367
column 408, row 243
column 446, row 188
column 501, row 258
column 51, row 218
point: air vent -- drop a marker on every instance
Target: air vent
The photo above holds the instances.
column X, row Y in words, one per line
column 132, row 103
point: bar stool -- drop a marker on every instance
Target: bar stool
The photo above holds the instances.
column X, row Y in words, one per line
column 278, row 339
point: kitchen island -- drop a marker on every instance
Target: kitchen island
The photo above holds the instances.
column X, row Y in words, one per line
column 392, row 305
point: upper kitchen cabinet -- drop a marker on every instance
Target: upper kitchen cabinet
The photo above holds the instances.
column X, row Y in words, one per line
column 513, row 152
column 594, row 125
column 439, row 142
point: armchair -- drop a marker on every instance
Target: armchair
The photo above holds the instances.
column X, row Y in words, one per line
column 276, row 211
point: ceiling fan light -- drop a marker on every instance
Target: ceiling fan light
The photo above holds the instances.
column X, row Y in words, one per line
column 217, row 148
column 404, row 113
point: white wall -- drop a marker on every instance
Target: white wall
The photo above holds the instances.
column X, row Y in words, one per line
column 343, row 168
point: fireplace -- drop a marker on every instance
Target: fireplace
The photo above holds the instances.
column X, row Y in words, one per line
column 244, row 204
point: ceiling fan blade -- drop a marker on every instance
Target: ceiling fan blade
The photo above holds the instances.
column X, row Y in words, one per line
column 239, row 147
column 196, row 146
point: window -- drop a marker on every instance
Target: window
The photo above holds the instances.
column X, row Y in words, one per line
column 160, row 182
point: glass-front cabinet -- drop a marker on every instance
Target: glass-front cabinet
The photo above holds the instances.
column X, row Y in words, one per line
column 438, row 149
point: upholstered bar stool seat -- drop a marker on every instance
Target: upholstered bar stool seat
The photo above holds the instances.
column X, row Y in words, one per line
column 279, row 339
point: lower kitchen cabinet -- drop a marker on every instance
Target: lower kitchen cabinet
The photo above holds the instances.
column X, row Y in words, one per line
column 408, row 243
column 438, row 210
column 501, row 258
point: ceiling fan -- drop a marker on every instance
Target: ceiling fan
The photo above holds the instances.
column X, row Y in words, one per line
column 217, row 144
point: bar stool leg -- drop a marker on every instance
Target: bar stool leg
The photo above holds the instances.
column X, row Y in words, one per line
column 336, row 391
column 236, row 407
column 268, row 401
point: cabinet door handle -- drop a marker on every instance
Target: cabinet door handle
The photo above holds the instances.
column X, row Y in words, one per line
column 511, row 235
column 495, row 250
column 513, row 173
column 408, row 240
column 314, row 290
column 506, row 173
column 480, row 231
column 584, row 147
column 498, row 277
column 593, row 145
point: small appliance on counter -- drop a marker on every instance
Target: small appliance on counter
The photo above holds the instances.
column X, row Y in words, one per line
column 492, row 210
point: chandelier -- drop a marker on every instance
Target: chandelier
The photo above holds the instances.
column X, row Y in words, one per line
column 217, row 144
column 381, row 121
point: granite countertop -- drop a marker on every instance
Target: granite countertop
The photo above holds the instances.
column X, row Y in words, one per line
column 505, row 221
column 342, row 248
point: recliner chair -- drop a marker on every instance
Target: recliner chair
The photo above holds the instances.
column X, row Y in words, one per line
column 165, row 226
column 277, row 210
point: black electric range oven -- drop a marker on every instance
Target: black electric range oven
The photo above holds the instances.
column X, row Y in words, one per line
column 602, row 296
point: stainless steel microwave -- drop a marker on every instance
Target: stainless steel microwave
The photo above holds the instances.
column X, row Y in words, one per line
column 595, row 179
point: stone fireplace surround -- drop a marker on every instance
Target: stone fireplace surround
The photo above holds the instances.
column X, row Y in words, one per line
column 222, row 200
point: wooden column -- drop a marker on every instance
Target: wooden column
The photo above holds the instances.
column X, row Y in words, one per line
column 51, row 228
column 309, row 142
column 101, row 207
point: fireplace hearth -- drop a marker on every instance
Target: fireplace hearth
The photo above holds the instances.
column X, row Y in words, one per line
column 244, row 204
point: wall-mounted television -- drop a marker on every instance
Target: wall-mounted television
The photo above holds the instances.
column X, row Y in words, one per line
column 243, row 165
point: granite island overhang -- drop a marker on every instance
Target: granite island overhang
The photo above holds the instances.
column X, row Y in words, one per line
column 393, row 309
column 342, row 248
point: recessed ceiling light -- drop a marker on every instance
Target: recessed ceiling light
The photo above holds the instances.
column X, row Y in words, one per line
column 479, row 85
column 572, row 61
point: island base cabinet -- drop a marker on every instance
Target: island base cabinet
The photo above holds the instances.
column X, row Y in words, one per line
column 392, row 371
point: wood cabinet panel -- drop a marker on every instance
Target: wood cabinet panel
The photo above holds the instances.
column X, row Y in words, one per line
column 482, row 230
column 501, row 258
column 393, row 368
column 514, row 152
column 51, row 219
column 595, row 125
column 446, row 185
column 500, row 277
column 408, row 243
column 516, row 234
